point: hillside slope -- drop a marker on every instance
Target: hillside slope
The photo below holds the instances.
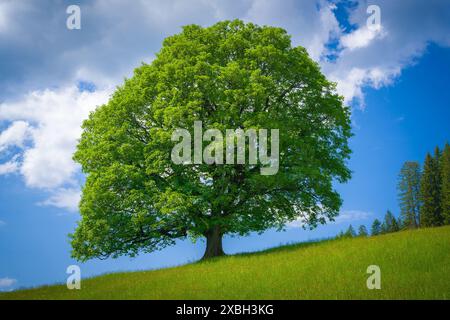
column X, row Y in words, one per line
column 414, row 265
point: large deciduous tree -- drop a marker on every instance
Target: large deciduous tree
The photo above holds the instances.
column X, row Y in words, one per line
column 230, row 75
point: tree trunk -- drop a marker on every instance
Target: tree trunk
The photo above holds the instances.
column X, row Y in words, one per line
column 213, row 243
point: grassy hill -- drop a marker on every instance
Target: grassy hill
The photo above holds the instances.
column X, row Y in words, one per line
column 414, row 265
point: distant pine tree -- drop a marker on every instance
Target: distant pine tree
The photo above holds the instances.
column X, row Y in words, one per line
column 409, row 194
column 350, row 233
column 362, row 231
column 445, row 185
column 395, row 225
column 340, row 235
column 400, row 223
column 383, row 228
column 376, row 228
column 390, row 223
column 430, row 191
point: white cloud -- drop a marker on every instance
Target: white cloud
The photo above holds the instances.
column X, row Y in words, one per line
column 52, row 121
column 107, row 52
column 361, row 37
column 9, row 167
column 343, row 217
column 3, row 18
column 65, row 198
column 376, row 58
column 7, row 282
column 298, row 223
column 351, row 82
column 56, row 117
column 311, row 23
column 352, row 215
column 2, row 223
column 14, row 135
column 7, row 10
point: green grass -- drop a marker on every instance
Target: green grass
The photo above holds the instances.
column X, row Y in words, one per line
column 414, row 265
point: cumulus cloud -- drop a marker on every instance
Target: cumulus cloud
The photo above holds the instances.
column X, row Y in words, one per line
column 352, row 215
column 311, row 23
column 7, row 10
column 55, row 117
column 7, row 282
column 345, row 216
column 115, row 36
column 14, row 135
column 65, row 198
column 51, row 120
column 350, row 83
column 375, row 58
column 361, row 37
column 9, row 167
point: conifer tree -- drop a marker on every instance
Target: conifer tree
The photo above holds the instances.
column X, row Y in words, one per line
column 376, row 227
column 362, row 231
column 384, row 228
column 409, row 194
column 395, row 225
column 350, row 233
column 340, row 235
column 390, row 223
column 430, row 191
column 445, row 185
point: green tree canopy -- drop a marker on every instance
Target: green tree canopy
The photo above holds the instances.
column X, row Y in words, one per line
column 230, row 75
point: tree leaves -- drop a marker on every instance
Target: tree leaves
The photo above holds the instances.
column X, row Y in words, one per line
column 230, row 75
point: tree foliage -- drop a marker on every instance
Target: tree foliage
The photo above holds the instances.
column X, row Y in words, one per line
column 431, row 213
column 445, row 188
column 350, row 233
column 230, row 75
column 362, row 231
column 409, row 194
column 376, row 228
column 390, row 223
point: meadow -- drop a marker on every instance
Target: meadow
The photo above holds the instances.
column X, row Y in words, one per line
column 414, row 265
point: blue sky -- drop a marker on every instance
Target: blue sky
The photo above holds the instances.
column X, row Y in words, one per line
column 396, row 80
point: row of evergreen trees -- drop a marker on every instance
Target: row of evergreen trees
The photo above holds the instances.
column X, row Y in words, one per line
column 424, row 197
column 425, row 194
column 389, row 224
